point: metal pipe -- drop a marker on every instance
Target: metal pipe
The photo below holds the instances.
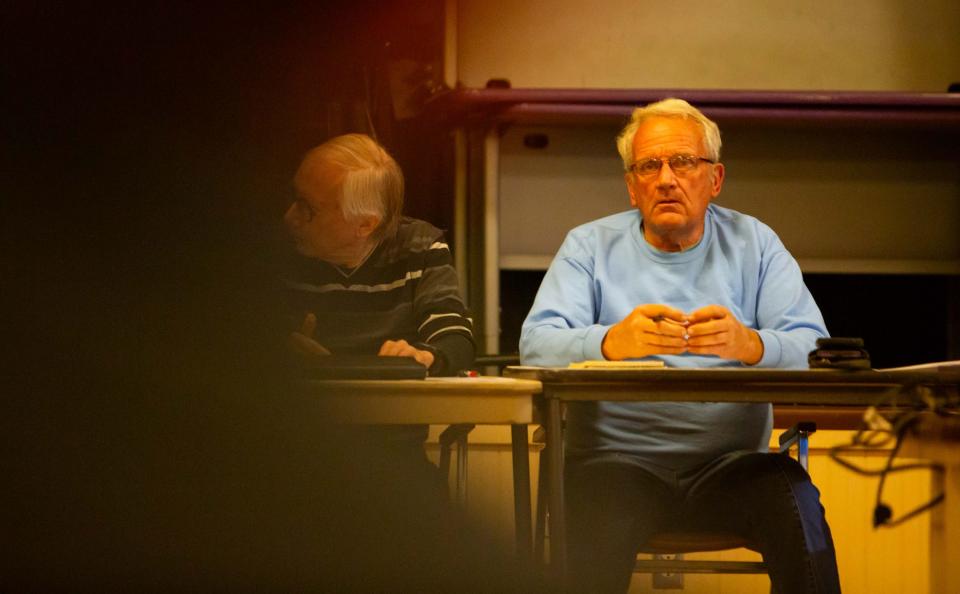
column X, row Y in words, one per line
column 491, row 245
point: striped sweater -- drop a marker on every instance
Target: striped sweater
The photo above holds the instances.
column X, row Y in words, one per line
column 406, row 289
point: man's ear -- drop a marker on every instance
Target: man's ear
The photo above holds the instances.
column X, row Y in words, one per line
column 717, row 180
column 367, row 225
column 627, row 177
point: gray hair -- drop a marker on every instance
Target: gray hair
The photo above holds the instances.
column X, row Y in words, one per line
column 371, row 182
column 668, row 108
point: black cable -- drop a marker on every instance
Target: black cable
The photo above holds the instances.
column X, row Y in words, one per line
column 867, row 438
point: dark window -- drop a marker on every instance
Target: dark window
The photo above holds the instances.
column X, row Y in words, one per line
column 903, row 319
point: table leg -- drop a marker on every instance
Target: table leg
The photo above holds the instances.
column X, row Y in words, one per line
column 521, row 492
column 558, row 536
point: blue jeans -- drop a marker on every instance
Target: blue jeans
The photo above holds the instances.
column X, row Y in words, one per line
column 614, row 504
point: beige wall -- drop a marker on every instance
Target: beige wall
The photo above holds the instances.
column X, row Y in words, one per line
column 847, row 199
column 891, row 45
column 841, row 200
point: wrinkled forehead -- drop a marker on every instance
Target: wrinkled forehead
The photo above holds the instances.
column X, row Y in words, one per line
column 659, row 135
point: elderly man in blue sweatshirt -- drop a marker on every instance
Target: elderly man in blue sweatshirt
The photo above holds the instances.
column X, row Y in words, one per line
column 695, row 285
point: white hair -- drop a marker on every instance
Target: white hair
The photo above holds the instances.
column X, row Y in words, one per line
column 371, row 183
column 668, row 108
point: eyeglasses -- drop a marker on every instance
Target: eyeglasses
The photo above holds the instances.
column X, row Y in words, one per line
column 680, row 164
column 304, row 209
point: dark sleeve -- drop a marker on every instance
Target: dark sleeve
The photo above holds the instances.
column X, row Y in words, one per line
column 452, row 353
column 443, row 323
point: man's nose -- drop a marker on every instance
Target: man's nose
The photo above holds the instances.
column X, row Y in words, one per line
column 666, row 177
column 290, row 217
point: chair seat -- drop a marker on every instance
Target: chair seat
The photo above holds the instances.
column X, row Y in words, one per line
column 688, row 542
column 670, row 568
column 667, row 549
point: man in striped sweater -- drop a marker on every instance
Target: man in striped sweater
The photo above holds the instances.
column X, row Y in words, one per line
column 368, row 280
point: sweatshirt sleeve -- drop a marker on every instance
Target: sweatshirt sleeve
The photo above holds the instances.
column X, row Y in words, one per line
column 561, row 327
column 788, row 319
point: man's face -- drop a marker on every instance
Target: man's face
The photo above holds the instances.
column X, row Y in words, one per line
column 673, row 205
column 316, row 221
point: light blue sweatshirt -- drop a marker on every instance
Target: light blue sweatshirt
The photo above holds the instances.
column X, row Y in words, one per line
column 606, row 268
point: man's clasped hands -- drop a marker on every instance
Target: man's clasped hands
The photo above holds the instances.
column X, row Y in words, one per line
column 656, row 329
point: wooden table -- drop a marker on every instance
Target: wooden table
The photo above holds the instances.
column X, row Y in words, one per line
column 475, row 400
column 801, row 387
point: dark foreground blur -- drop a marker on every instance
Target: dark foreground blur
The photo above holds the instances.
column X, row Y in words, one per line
column 147, row 441
column 228, row 490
